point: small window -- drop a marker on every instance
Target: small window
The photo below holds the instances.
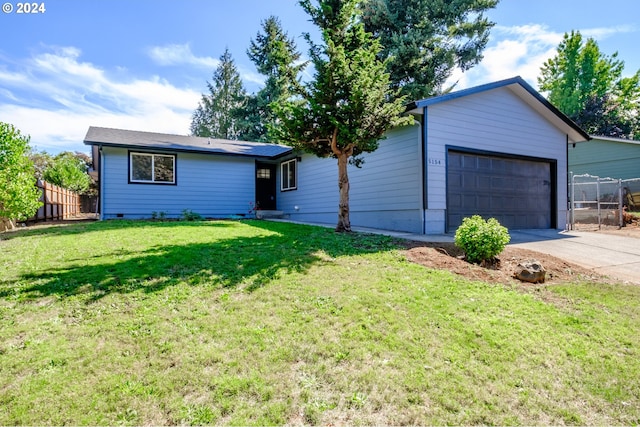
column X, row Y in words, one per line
column 152, row 168
column 263, row 173
column 288, row 175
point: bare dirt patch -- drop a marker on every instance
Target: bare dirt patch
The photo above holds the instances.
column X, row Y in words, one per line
column 630, row 230
column 446, row 256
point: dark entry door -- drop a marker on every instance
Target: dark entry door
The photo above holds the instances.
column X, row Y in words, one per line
column 516, row 192
column 266, row 186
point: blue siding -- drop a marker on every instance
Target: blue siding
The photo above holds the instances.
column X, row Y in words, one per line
column 384, row 193
column 212, row 186
column 497, row 121
column 605, row 158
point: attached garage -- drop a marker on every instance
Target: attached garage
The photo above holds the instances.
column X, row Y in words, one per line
column 497, row 150
column 518, row 192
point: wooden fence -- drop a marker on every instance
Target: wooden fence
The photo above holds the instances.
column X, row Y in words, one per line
column 57, row 203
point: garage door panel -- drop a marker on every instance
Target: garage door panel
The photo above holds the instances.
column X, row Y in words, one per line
column 484, row 202
column 514, row 191
column 469, row 201
column 484, row 163
column 469, row 181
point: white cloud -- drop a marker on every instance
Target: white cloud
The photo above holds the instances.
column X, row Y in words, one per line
column 515, row 51
column 180, row 54
column 521, row 51
column 55, row 97
column 602, row 33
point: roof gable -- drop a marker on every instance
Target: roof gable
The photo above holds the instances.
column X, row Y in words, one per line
column 525, row 92
column 160, row 141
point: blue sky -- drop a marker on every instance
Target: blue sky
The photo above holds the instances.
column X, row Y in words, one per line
column 143, row 64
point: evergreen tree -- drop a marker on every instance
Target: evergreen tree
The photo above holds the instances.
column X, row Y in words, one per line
column 587, row 86
column 425, row 40
column 219, row 112
column 345, row 108
column 19, row 198
column 275, row 56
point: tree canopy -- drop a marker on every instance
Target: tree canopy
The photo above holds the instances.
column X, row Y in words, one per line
column 424, row 41
column 19, row 197
column 68, row 170
column 219, row 112
column 587, row 85
column 348, row 105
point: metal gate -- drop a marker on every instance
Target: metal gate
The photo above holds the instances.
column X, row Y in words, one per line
column 596, row 202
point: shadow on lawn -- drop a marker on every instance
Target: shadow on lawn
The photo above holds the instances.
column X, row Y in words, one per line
column 254, row 261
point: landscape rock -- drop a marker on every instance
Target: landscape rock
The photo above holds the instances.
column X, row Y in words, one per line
column 530, row 271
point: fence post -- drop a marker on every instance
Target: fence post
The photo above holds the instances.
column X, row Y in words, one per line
column 598, row 203
column 47, row 200
column 572, row 202
column 620, row 205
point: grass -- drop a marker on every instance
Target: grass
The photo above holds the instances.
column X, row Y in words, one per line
column 259, row 323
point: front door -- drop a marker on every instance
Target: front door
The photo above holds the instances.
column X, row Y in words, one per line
column 265, row 186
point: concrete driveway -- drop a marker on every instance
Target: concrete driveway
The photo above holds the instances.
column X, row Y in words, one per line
column 615, row 256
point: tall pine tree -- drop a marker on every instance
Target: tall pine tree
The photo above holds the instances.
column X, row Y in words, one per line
column 219, row 112
column 276, row 57
column 426, row 40
column 348, row 105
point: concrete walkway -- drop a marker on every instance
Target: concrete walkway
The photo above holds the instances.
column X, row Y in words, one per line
column 615, row 256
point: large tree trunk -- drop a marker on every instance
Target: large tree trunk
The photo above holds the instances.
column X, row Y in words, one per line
column 344, row 224
column 343, row 154
column 6, row 224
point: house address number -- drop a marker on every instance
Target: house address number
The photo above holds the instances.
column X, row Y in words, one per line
column 433, row 161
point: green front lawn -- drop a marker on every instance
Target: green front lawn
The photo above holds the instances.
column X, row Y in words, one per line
column 258, row 323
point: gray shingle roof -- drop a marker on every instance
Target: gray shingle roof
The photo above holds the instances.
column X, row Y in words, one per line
column 161, row 141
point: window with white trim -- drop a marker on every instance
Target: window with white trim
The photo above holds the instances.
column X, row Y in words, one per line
column 150, row 168
column 288, row 177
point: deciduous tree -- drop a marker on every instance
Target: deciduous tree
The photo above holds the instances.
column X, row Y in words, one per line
column 19, row 198
column 588, row 86
column 69, row 170
column 348, row 105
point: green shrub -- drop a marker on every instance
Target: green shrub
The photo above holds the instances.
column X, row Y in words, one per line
column 189, row 215
column 481, row 240
column 162, row 215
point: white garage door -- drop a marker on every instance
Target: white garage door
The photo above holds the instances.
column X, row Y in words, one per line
column 516, row 192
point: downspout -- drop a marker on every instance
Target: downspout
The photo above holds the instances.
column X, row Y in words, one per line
column 422, row 173
column 423, row 183
column 569, row 204
column 101, row 181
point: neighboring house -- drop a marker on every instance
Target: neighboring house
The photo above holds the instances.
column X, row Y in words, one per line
column 142, row 172
column 606, row 157
column 498, row 150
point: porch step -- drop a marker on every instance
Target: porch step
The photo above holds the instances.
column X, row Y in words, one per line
column 262, row 214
